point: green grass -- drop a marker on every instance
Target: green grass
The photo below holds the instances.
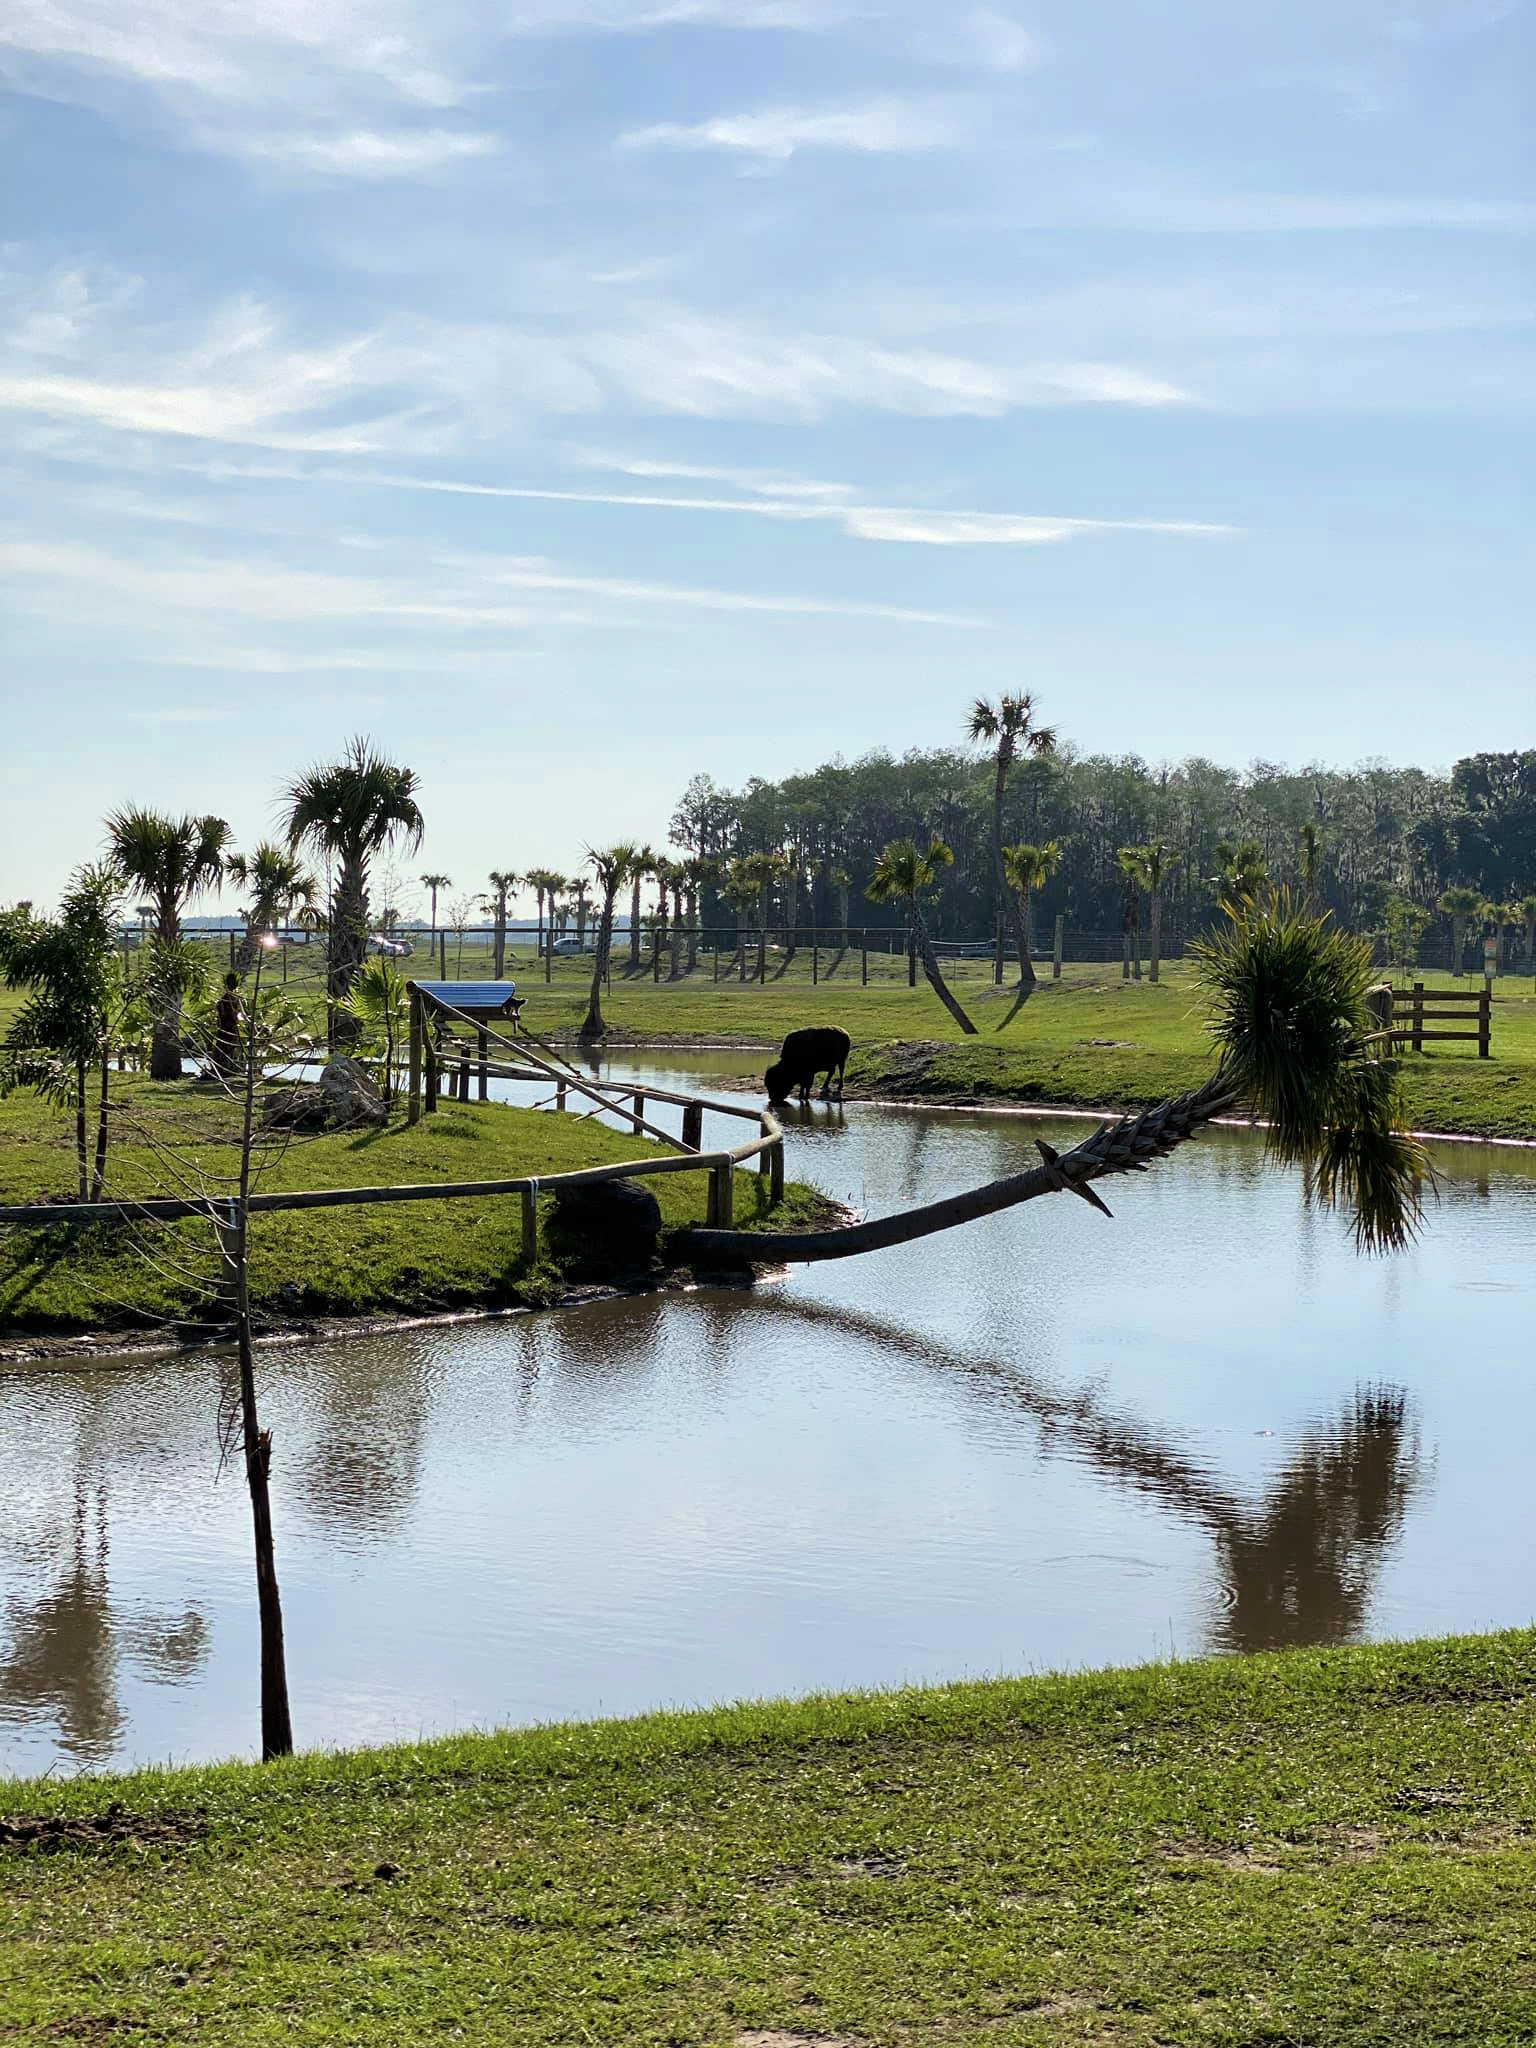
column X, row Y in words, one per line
column 1327, row 1848
column 405, row 1259
column 1089, row 1038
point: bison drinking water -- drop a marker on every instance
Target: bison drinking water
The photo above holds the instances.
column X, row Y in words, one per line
column 804, row 1055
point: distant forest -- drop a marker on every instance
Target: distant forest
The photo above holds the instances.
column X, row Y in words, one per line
column 1385, row 843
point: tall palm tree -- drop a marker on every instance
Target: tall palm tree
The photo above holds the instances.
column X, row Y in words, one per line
column 1132, row 880
column 1027, row 868
column 580, row 892
column 739, row 893
column 1460, row 905
column 1155, row 861
column 906, row 871
column 171, row 860
column 1009, row 728
column 643, row 864
column 503, row 882
column 763, row 870
column 612, row 865
column 543, row 882
column 432, row 884
column 349, row 811
column 277, row 880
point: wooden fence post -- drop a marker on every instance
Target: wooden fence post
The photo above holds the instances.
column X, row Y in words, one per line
column 721, row 1196
column 715, row 957
column 484, row 1089
column 1418, row 1016
column 639, row 1115
column 693, row 1126
column 413, row 1070
column 776, row 1173
column 1485, row 1021
column 530, row 1225
column 1058, row 942
column 429, row 1047
column 559, row 1095
column 864, row 959
column 815, row 959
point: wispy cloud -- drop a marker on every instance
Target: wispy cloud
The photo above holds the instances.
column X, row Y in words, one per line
column 874, row 127
column 367, row 153
column 1244, row 213
column 984, row 38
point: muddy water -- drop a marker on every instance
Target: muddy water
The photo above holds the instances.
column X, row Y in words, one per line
column 1045, row 1441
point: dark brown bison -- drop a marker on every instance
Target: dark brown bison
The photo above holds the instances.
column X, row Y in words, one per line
column 804, row 1055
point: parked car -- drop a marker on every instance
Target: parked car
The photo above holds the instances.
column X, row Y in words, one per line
column 392, row 949
column 572, row 946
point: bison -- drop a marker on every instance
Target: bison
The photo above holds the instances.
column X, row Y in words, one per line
column 804, row 1055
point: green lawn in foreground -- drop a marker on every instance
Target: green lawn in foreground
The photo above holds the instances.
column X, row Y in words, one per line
column 412, row 1258
column 1325, row 1848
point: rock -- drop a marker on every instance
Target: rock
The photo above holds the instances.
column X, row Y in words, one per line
column 350, row 1097
column 621, row 1208
column 300, row 1108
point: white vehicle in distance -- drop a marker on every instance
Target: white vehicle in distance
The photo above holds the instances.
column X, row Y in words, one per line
column 561, row 946
column 392, row 949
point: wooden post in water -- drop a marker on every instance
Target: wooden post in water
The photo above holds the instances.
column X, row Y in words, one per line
column 413, row 1069
column 1057, row 944
column 693, row 1126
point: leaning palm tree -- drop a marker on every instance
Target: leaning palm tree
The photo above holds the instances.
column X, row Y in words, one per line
column 1460, row 905
column 503, row 882
column 349, row 811
column 1298, row 1048
column 277, row 881
column 171, row 860
column 613, row 866
column 1009, row 728
column 1027, row 868
column 906, row 871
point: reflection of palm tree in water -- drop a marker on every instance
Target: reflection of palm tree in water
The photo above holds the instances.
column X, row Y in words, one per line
column 61, row 1660
column 1300, row 1565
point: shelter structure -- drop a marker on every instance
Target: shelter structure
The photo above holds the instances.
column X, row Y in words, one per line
column 435, row 1008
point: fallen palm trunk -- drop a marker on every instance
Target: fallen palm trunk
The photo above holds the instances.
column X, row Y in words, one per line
column 1127, row 1146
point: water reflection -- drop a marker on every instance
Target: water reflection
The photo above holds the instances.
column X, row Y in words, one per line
column 1298, row 1567
column 60, row 1662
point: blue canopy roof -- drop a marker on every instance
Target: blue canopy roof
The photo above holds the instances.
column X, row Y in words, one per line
column 482, row 998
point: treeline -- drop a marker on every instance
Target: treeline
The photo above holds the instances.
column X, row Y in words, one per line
column 1372, row 843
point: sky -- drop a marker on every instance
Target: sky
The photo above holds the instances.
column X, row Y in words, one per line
column 576, row 395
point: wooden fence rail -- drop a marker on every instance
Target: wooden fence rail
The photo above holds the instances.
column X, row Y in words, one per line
column 1413, row 1009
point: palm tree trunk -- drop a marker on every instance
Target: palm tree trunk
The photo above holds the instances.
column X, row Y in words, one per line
column 81, row 1154
column 791, row 911
column 1156, row 938
column 936, row 981
column 1458, row 945
column 592, row 1025
column 675, row 964
column 634, row 926
column 693, row 927
column 501, row 938
column 165, row 1025
column 762, row 932
column 1008, row 909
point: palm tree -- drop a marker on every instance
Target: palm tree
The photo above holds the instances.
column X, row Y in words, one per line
column 348, row 811
column 643, row 864
column 579, row 891
column 613, row 867
column 1129, row 861
column 739, row 893
column 699, row 870
column 905, row 870
column 277, row 881
column 1148, row 867
column 1460, row 905
column 543, row 882
column 763, row 870
column 171, row 860
column 1027, row 868
column 379, row 1005
column 841, row 882
column 503, row 881
column 1009, row 728
column 432, row 883
column 1244, row 876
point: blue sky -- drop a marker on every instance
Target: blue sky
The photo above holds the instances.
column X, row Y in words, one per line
column 576, row 394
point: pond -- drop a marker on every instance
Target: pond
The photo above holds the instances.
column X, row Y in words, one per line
column 1045, row 1441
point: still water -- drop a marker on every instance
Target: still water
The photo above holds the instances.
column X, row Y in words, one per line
column 1041, row 1442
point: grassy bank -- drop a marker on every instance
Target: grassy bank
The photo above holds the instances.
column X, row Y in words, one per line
column 1317, row 1847
column 406, row 1259
column 1089, row 1038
